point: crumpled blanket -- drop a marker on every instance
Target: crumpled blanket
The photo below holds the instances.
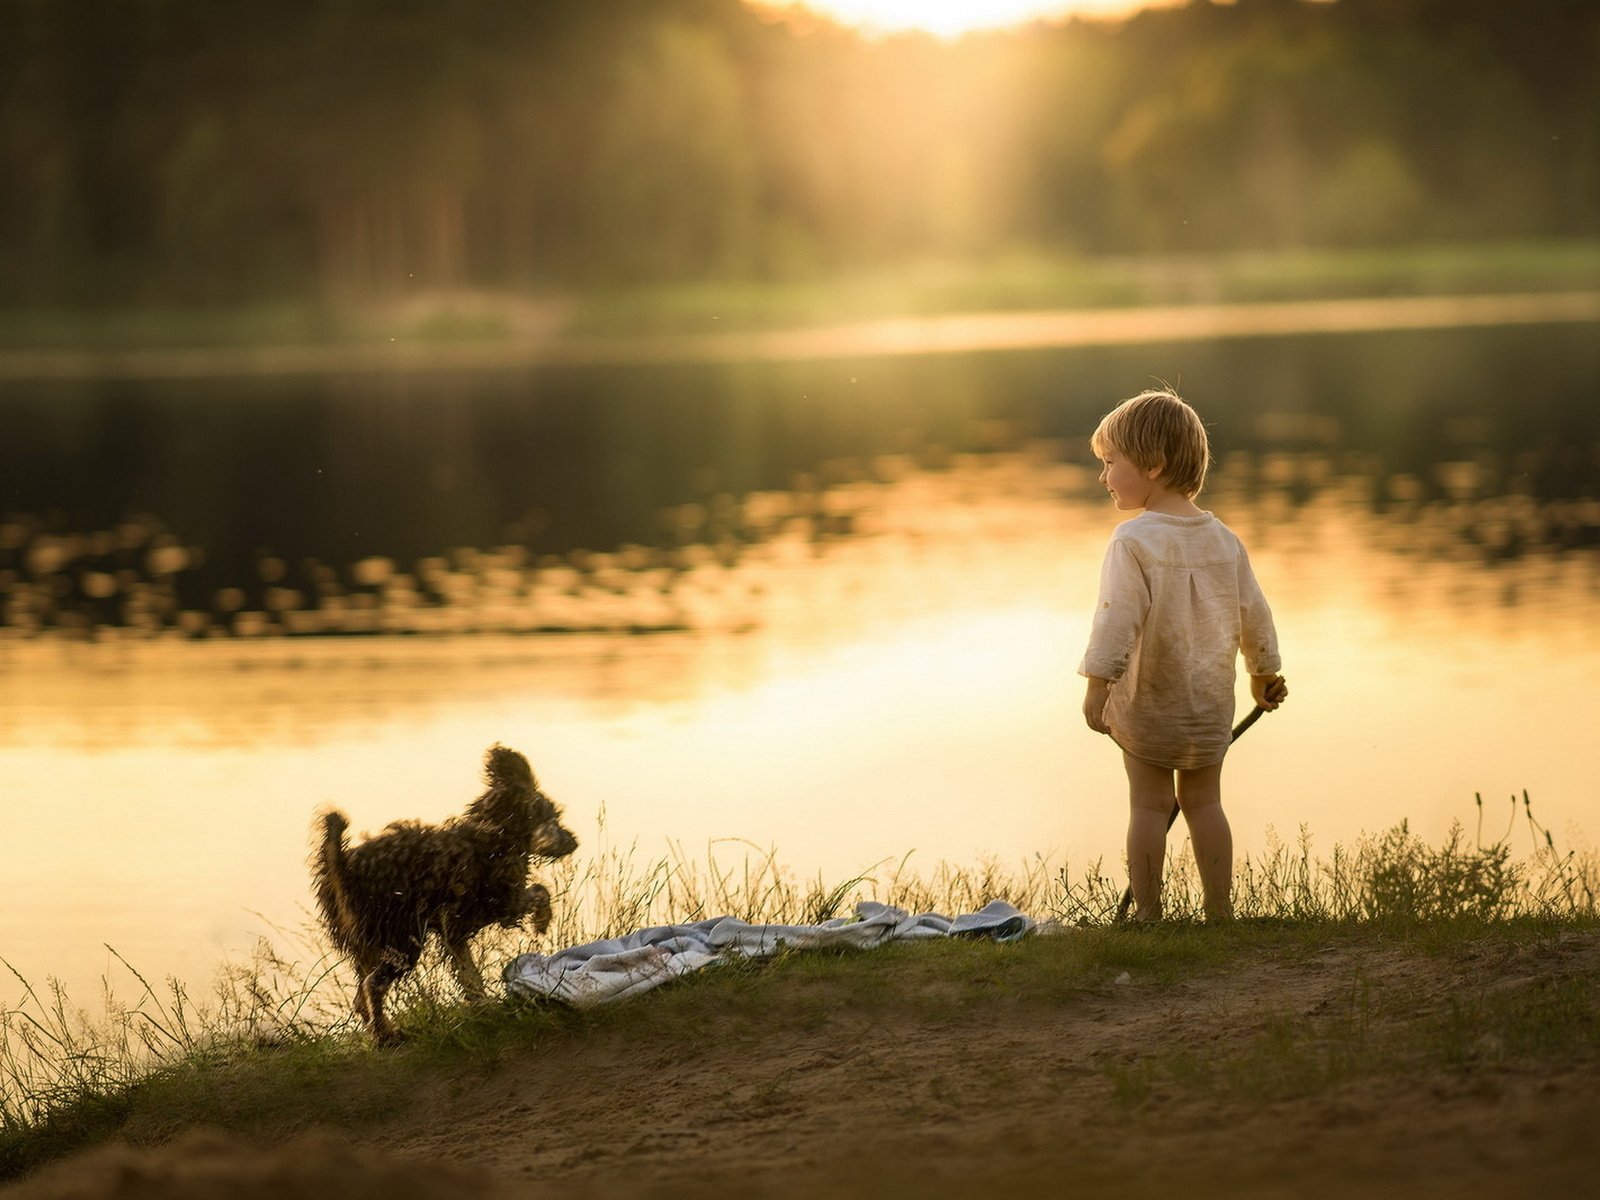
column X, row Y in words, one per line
column 616, row 968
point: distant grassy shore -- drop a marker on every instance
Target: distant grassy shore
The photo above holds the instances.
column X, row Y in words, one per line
column 1008, row 283
column 1373, row 935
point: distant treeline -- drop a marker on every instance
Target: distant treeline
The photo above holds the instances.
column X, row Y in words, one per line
column 191, row 151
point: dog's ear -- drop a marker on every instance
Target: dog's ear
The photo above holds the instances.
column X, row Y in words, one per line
column 504, row 766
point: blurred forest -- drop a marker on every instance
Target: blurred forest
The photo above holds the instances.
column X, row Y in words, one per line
column 193, row 152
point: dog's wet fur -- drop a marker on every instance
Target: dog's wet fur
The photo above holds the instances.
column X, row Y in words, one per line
column 381, row 899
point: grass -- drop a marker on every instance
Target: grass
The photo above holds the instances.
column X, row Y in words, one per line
column 274, row 1047
column 1379, row 1028
column 996, row 282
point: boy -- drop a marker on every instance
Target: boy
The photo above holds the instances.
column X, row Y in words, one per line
column 1177, row 602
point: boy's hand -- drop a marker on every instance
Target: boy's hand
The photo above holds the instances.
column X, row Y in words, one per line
column 1269, row 691
column 1094, row 705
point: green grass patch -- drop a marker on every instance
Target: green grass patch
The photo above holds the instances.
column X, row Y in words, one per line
column 1502, row 1005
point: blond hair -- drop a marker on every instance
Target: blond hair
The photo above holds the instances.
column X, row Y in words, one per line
column 1157, row 429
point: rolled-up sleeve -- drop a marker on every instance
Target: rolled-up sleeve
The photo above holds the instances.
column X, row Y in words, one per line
column 1120, row 614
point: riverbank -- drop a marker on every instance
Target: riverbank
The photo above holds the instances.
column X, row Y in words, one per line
column 475, row 327
column 1269, row 1058
column 1400, row 1014
column 950, row 333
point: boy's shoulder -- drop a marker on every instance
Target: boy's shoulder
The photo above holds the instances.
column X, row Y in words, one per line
column 1149, row 525
column 1159, row 536
column 1128, row 533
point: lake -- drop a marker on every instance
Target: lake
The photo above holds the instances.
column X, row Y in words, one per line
column 829, row 607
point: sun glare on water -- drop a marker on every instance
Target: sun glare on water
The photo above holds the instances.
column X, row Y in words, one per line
column 952, row 18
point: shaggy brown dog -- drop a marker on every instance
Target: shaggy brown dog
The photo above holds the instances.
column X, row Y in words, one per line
column 381, row 899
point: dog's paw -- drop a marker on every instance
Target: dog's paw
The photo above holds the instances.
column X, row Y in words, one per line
column 536, row 905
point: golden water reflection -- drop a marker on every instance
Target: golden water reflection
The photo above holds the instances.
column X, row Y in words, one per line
column 896, row 678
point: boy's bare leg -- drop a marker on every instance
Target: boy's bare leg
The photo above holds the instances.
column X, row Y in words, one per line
column 1200, row 797
column 1150, row 798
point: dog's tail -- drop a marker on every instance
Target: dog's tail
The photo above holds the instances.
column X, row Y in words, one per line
column 332, row 882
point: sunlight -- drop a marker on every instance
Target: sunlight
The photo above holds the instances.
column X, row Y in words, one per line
column 953, row 18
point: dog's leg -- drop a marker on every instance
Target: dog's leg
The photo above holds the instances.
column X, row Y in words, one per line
column 374, row 987
column 365, row 964
column 467, row 974
column 378, row 983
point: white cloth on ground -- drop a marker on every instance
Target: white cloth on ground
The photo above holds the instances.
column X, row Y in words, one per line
column 617, row 968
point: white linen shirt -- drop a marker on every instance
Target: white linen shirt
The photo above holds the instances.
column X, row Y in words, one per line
column 1178, row 601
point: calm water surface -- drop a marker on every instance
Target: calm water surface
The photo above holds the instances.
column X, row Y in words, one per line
column 833, row 610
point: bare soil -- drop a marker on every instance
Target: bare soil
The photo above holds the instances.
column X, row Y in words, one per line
column 991, row 1099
